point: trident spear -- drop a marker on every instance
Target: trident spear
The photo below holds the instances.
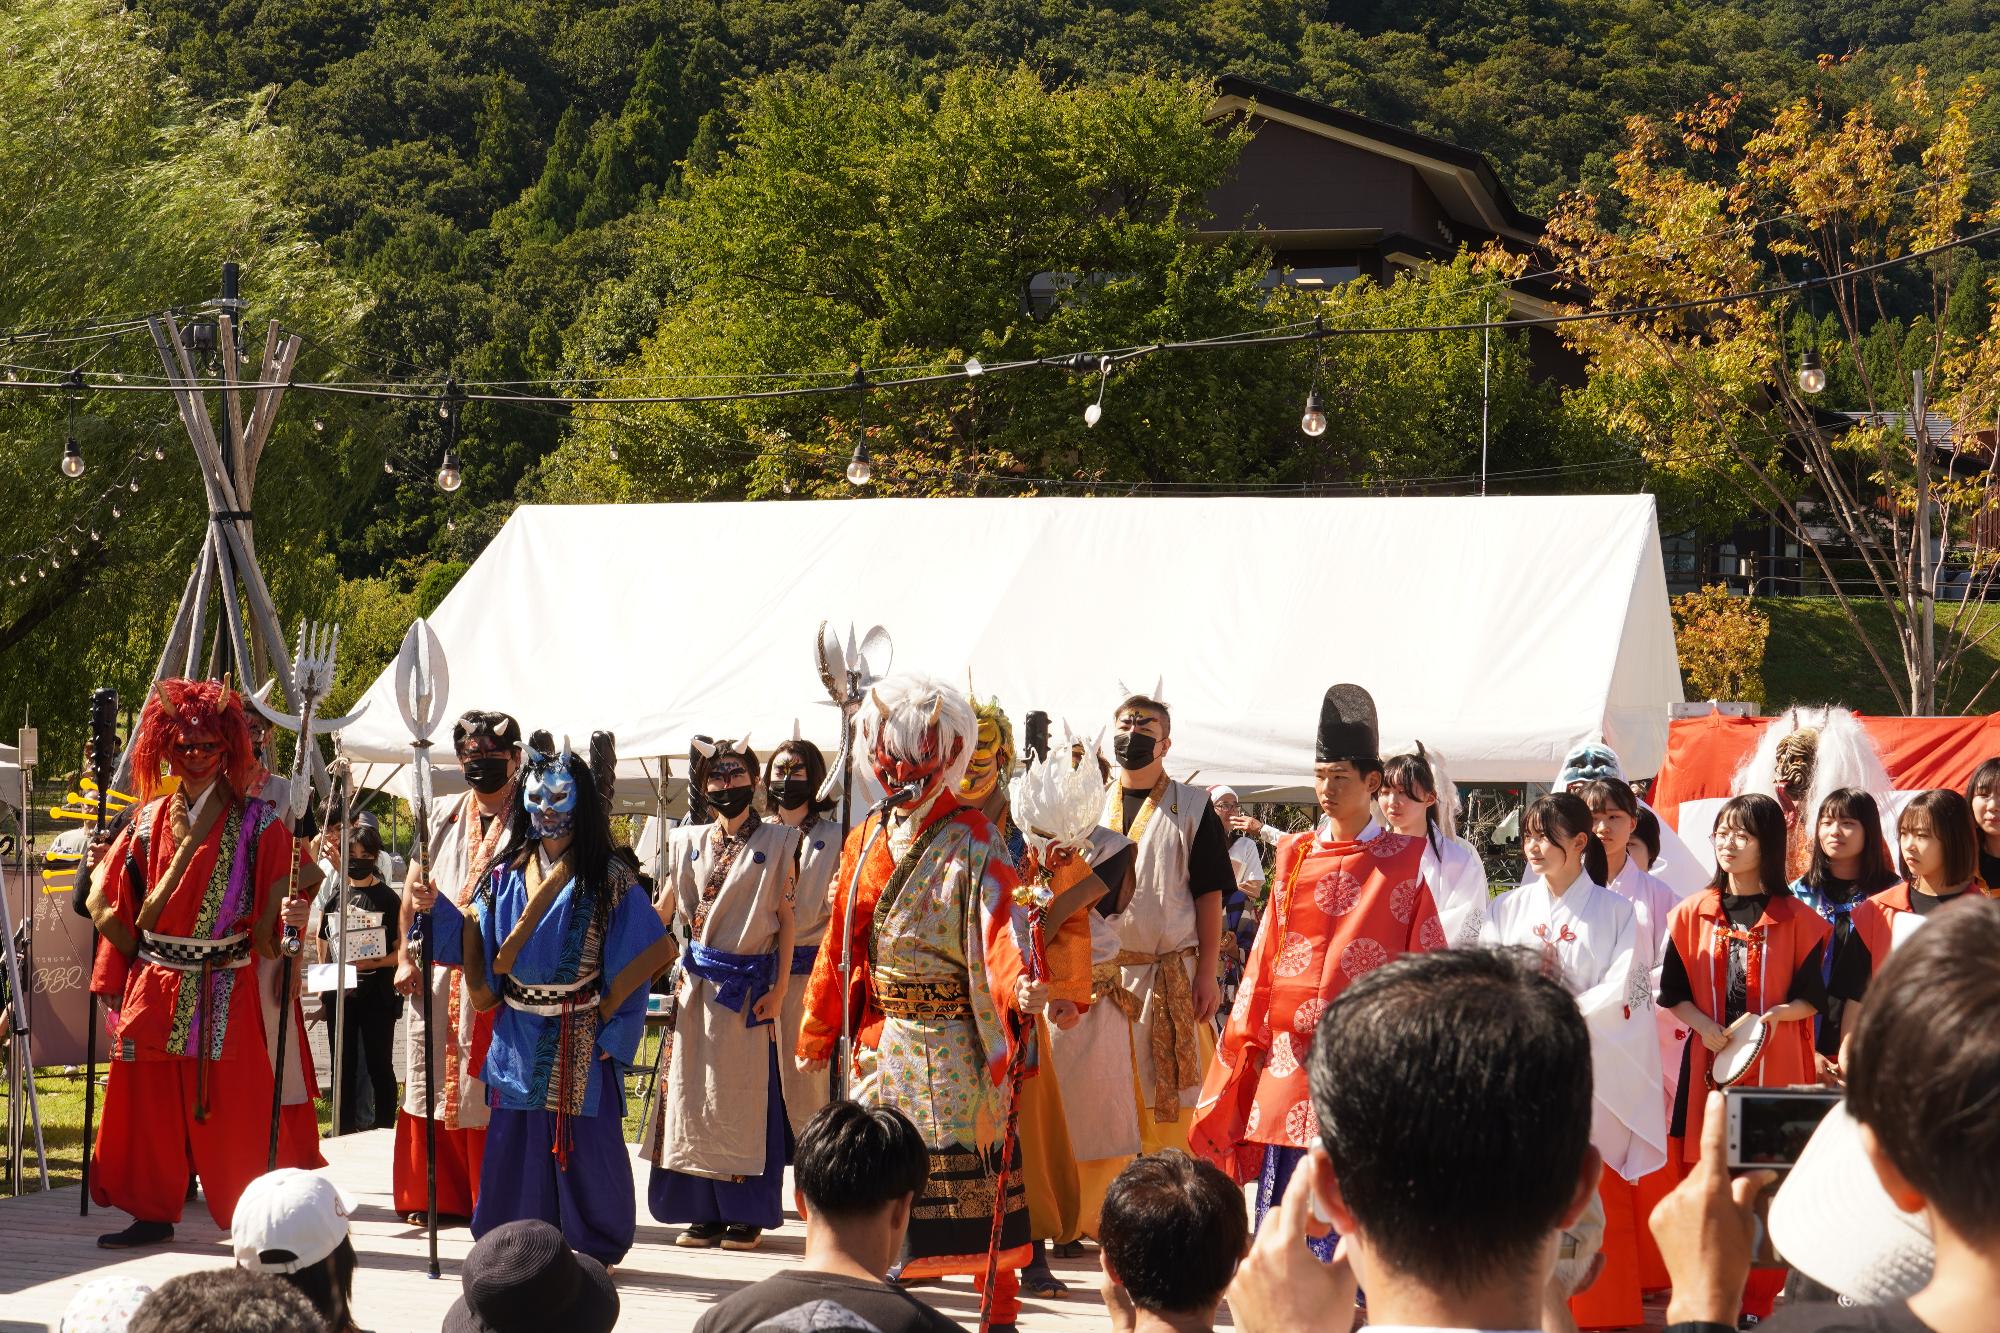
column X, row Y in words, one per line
column 422, row 682
column 849, row 674
column 312, row 681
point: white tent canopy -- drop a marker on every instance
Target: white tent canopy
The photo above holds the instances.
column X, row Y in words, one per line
column 1498, row 630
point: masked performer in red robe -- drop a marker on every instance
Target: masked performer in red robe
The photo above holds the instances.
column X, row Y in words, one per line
column 937, row 982
column 185, row 902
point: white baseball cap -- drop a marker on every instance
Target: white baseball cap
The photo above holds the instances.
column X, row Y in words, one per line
column 290, row 1210
column 1833, row 1221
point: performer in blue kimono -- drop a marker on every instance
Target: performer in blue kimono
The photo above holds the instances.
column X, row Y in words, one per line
column 565, row 944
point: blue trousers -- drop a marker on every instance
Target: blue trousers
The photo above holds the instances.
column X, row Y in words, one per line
column 1279, row 1163
column 592, row 1200
column 756, row 1201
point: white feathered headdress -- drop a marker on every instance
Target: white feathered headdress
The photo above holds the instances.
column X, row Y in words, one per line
column 1056, row 803
column 1842, row 756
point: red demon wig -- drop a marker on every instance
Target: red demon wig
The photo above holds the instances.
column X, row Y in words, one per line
column 177, row 707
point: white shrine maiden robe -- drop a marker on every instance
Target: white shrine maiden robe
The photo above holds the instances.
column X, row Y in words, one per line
column 1594, row 934
column 1457, row 880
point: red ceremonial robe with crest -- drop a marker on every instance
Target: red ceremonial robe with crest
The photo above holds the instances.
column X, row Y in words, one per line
column 1339, row 909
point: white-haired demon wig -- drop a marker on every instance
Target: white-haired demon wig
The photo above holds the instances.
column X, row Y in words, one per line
column 1057, row 802
column 919, row 729
column 1822, row 748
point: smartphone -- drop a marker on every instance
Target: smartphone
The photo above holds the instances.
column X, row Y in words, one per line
column 1768, row 1127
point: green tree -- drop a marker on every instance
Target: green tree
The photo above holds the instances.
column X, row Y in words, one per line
column 118, row 196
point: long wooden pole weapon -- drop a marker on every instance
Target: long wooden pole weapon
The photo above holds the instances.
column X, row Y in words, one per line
column 312, row 679
column 103, row 730
column 1023, row 1027
column 422, row 682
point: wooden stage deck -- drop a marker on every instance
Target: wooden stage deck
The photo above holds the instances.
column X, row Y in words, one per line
column 47, row 1252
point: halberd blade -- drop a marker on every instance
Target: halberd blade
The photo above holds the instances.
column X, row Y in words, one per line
column 423, row 679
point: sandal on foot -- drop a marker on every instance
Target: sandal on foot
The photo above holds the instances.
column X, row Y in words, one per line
column 1042, row 1284
column 700, row 1236
column 742, row 1238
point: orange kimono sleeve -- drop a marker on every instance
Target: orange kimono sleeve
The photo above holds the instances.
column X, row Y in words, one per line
column 1069, row 960
column 819, row 1028
column 1220, row 1127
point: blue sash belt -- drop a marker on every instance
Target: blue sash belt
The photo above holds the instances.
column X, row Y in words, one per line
column 803, row 958
column 740, row 979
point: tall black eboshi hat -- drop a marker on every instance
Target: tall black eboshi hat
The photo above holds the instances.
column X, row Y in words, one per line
column 1346, row 725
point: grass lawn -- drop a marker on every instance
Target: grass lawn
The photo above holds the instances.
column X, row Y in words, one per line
column 1814, row 656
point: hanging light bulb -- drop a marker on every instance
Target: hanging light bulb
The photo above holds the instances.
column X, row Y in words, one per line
column 73, row 550
column 319, row 426
column 40, row 572
column 449, row 476
column 133, row 486
column 389, row 466
column 1812, row 375
column 859, row 470
column 95, row 535
column 1313, row 422
column 1095, row 412
column 72, row 459
column 973, row 368
column 159, row 453
column 451, row 525
column 614, row 452
column 116, row 511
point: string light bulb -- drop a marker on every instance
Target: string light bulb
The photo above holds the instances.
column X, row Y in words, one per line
column 1812, row 375
column 159, row 453
column 319, row 427
column 859, row 470
column 72, row 459
column 133, row 485
column 1095, row 412
column 1313, row 421
column 614, row 451
column 116, row 512
column 449, row 477
column 389, row 466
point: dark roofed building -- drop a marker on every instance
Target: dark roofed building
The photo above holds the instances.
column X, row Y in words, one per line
column 1337, row 196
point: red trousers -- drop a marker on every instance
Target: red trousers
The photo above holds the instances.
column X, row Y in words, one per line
column 149, row 1141
column 459, row 1154
column 298, row 1137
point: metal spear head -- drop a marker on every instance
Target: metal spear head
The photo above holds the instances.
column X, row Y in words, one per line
column 423, row 680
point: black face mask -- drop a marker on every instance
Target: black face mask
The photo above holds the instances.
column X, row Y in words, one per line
column 360, row 870
column 487, row 773
column 1134, row 749
column 730, row 802
column 791, row 793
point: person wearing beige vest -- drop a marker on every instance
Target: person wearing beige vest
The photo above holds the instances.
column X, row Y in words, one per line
column 1170, row 934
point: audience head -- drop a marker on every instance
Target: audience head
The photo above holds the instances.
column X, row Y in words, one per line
column 226, row 1300
column 1558, row 839
column 856, row 1162
column 1453, row 1096
column 1172, row 1232
column 1850, row 824
column 104, row 1305
column 1923, row 1074
column 293, row 1224
column 1750, row 840
column 522, row 1277
column 1936, row 839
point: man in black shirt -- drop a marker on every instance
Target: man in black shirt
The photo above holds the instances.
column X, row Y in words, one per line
column 857, row 1173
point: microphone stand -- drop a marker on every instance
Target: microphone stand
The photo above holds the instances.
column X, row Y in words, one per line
column 843, row 1047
